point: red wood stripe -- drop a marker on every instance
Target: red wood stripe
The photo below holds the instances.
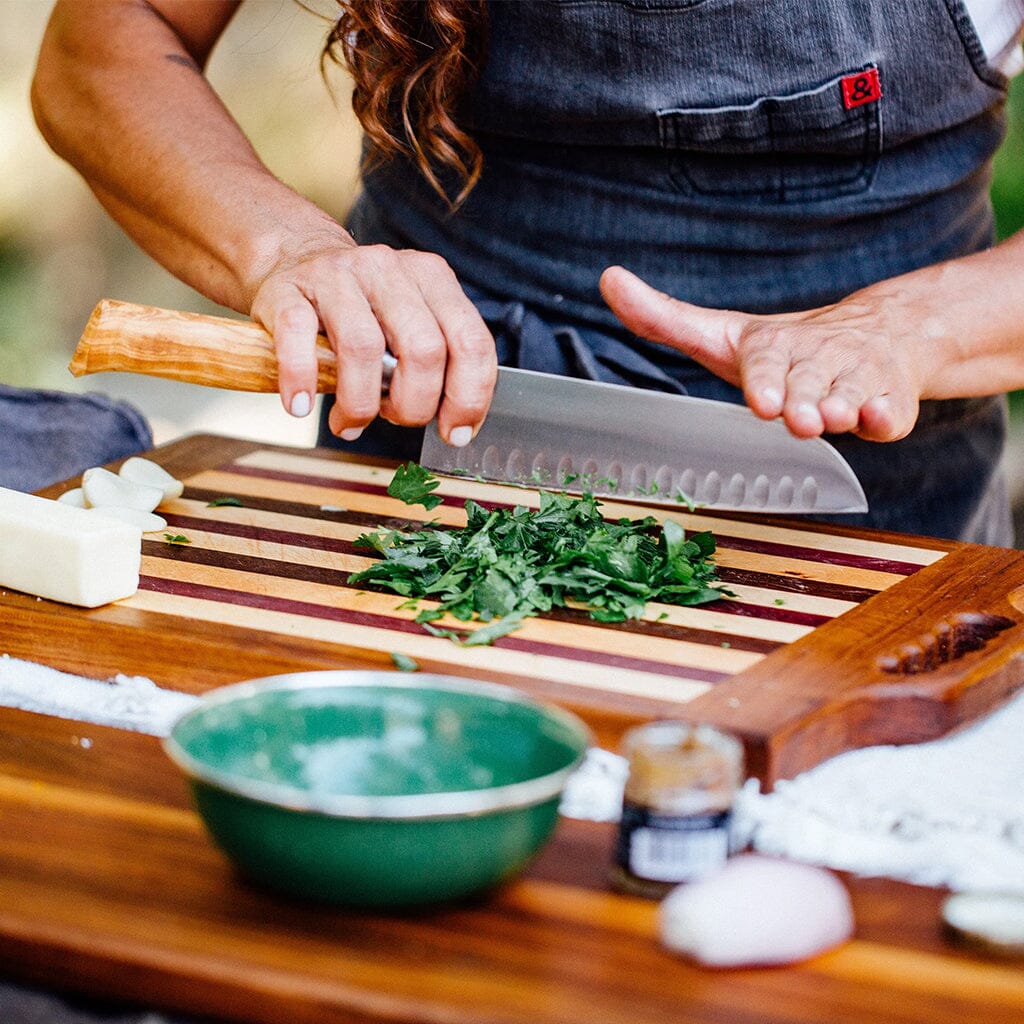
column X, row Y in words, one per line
column 771, row 613
column 339, row 578
column 764, row 547
column 323, row 481
column 344, row 615
column 793, row 584
column 303, row 510
column 262, row 533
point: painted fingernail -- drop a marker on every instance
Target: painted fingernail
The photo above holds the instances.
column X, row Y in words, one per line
column 350, row 433
column 460, row 437
column 301, row 404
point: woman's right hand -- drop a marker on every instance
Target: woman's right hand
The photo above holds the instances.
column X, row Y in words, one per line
column 367, row 299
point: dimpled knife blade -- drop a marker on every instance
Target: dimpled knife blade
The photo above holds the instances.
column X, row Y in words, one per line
column 575, row 435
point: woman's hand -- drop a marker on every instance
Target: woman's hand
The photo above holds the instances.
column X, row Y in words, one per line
column 849, row 367
column 366, row 299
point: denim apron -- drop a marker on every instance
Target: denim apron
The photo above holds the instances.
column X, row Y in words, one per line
column 765, row 156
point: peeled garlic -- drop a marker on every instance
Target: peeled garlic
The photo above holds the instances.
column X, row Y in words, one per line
column 147, row 522
column 73, row 497
column 757, row 910
column 103, row 488
column 144, row 471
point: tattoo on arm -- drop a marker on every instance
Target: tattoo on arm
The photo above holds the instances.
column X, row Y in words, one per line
column 180, row 58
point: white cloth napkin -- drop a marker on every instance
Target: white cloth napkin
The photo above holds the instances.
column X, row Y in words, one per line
column 125, row 702
column 946, row 813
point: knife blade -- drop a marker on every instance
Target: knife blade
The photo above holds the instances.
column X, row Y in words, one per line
column 616, row 441
column 542, row 430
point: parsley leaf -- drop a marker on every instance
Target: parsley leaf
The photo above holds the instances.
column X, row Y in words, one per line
column 413, row 484
column 403, row 662
column 508, row 564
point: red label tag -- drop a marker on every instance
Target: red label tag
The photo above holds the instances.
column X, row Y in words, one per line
column 862, row 87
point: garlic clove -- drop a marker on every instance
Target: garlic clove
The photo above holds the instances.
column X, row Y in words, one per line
column 757, row 910
column 145, row 471
column 147, row 522
column 102, row 488
column 74, row 497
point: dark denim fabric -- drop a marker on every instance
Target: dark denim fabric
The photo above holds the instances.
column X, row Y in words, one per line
column 705, row 145
column 47, row 436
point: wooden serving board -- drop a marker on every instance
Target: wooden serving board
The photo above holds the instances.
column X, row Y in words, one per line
column 834, row 638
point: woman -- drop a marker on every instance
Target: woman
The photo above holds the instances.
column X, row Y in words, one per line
column 823, row 168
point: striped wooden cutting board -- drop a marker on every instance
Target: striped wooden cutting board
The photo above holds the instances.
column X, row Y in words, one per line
column 280, row 563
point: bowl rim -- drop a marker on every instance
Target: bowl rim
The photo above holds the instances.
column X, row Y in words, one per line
column 453, row 804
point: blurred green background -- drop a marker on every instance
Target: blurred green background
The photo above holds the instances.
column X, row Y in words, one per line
column 60, row 253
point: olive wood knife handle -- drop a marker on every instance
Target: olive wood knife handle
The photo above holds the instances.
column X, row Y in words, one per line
column 215, row 351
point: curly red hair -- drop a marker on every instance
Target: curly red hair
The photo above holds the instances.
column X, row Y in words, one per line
column 412, row 61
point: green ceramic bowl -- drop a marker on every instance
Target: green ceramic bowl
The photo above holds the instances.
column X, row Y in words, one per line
column 377, row 788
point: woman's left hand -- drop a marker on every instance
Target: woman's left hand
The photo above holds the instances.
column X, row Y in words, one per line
column 854, row 366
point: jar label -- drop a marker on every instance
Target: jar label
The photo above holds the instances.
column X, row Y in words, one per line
column 671, row 847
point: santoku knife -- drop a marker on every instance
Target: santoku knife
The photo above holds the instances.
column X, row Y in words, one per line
column 542, row 430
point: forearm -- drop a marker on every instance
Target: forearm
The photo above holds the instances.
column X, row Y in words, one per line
column 119, row 93
column 964, row 320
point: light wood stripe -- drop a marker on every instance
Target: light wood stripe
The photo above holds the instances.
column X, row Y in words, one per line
column 381, row 506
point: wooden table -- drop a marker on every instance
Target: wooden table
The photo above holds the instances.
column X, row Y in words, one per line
column 109, row 885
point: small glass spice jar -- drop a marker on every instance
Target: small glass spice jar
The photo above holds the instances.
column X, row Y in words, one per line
column 677, row 805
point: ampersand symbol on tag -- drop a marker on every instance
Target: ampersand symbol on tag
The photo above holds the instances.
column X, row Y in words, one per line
column 862, row 87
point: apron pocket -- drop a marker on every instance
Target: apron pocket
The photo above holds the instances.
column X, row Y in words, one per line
column 801, row 147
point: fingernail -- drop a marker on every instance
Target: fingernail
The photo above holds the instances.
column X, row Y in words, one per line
column 460, row 437
column 301, row 404
column 350, row 433
column 773, row 397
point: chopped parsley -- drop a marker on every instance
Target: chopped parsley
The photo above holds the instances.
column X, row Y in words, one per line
column 508, row 564
column 403, row 662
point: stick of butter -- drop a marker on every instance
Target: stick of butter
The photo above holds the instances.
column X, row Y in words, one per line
column 63, row 553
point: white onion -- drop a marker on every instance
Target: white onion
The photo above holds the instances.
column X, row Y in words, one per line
column 757, row 910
